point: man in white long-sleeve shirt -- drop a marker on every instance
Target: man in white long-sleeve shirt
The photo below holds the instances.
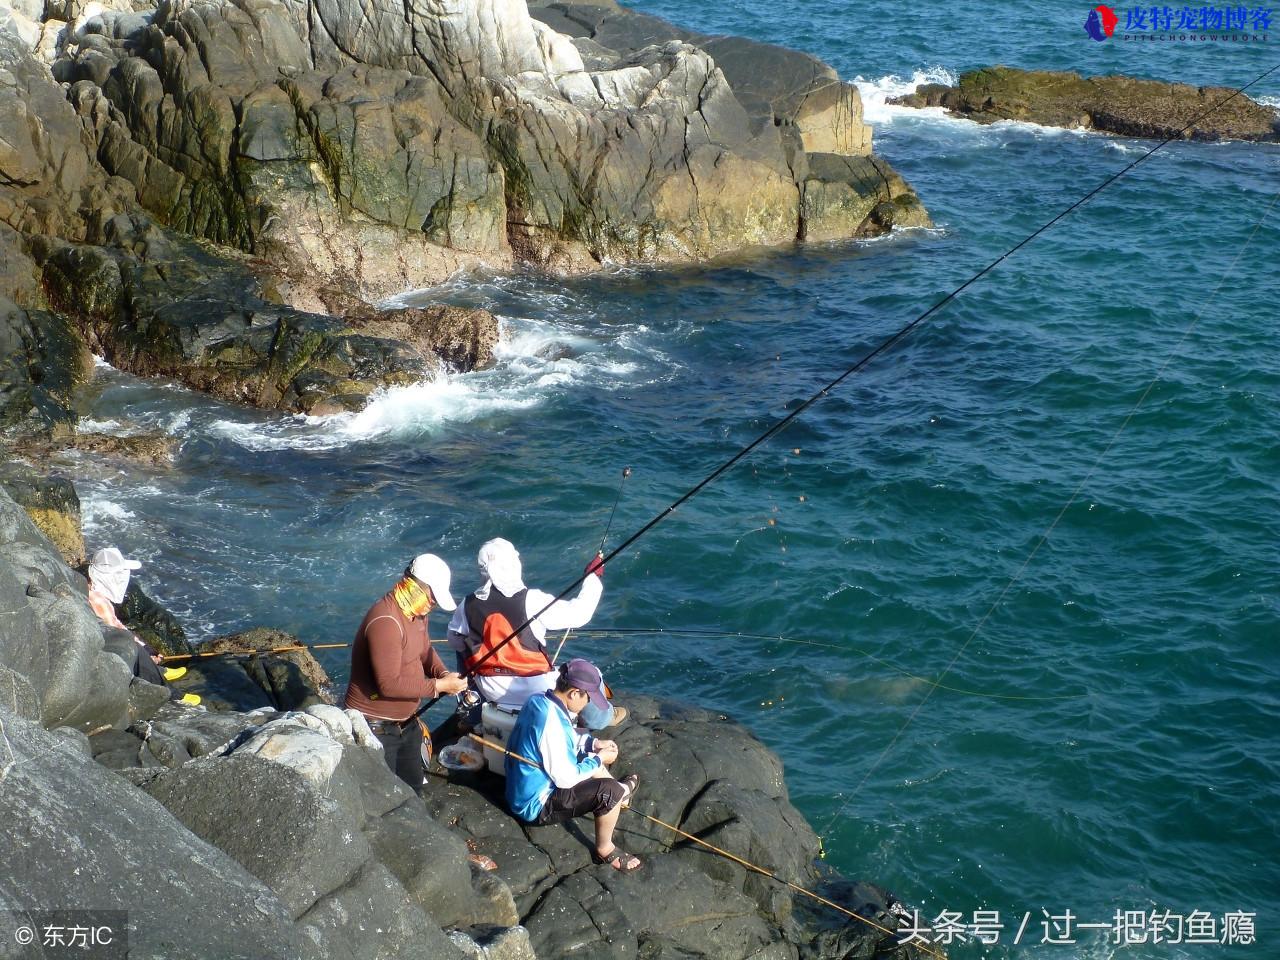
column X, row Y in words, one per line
column 521, row 668
column 555, row 774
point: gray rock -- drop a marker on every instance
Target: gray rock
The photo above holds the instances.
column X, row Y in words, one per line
column 375, row 901
column 86, row 686
column 17, row 696
column 185, row 898
column 297, row 842
column 75, row 739
column 146, row 699
column 430, row 861
column 494, row 943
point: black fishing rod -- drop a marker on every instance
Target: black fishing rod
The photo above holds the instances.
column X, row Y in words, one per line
column 889, row 342
column 626, row 472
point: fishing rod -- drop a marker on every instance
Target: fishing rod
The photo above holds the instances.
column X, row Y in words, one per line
column 252, row 653
column 754, row 868
column 889, row 342
column 626, row 472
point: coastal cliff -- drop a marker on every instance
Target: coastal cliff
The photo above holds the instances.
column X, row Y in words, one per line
column 280, row 832
column 216, row 190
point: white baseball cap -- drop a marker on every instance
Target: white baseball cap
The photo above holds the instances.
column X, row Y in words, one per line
column 434, row 572
column 110, row 559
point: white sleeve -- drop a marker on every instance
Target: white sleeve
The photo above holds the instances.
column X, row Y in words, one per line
column 559, row 759
column 458, row 629
column 566, row 614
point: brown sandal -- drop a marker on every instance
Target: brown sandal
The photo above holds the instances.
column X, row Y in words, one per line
column 618, row 859
column 632, row 783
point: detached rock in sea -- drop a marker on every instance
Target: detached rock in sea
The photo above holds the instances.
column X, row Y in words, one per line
column 1112, row 104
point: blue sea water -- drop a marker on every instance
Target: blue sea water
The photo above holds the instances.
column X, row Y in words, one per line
column 1104, row 738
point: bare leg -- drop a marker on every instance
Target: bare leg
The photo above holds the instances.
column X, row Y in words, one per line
column 605, row 822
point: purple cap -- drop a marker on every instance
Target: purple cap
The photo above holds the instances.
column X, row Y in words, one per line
column 584, row 675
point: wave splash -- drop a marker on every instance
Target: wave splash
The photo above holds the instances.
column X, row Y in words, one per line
column 535, row 360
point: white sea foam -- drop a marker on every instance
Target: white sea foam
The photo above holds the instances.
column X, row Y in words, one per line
column 534, row 359
column 876, row 109
column 876, row 93
column 98, row 515
column 1269, row 101
column 89, row 425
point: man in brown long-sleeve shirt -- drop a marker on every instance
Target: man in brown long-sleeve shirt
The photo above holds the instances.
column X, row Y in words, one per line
column 393, row 666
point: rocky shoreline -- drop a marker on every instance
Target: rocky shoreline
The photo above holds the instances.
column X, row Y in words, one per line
column 270, row 826
column 221, row 191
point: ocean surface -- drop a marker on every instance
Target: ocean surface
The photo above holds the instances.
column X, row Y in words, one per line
column 1105, row 734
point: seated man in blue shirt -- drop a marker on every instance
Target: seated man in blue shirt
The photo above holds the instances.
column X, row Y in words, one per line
column 555, row 773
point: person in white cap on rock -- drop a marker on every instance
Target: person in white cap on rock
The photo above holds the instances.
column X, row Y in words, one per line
column 109, row 575
column 393, row 667
column 520, row 668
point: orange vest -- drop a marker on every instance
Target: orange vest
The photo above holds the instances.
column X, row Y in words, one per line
column 490, row 621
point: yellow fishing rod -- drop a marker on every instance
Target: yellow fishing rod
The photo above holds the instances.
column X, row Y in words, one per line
column 754, row 868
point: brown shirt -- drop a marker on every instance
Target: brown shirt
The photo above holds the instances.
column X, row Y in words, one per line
column 392, row 664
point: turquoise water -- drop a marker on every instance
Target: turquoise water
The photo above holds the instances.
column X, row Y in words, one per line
column 1107, row 739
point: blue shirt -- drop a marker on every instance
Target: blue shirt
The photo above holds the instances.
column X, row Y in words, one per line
column 544, row 734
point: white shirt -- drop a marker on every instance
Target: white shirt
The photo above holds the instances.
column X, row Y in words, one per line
column 512, row 692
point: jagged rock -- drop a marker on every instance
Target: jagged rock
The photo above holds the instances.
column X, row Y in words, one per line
column 463, row 337
column 184, row 897
column 146, row 699
column 52, row 505
column 156, row 304
column 49, row 635
column 152, row 622
column 1113, row 104
column 292, row 680
column 841, row 189
column 152, row 450
column 494, row 943
column 41, row 361
column 707, row 776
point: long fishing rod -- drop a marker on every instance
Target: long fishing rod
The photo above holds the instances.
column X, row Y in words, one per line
column 779, row 425
column 754, row 868
column 252, row 653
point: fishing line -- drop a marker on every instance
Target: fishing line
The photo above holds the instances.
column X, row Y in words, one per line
column 779, row 425
column 1070, row 500
column 693, row 632
column 755, row 868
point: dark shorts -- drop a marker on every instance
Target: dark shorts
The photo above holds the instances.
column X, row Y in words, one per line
column 597, row 795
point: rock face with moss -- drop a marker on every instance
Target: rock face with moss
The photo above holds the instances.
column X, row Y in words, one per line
column 1114, row 104
column 376, row 149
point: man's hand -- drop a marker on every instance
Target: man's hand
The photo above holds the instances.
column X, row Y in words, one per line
column 596, row 566
column 607, row 751
column 156, row 658
column 451, row 683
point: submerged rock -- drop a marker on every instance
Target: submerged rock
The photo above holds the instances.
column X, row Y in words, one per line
column 1112, row 104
